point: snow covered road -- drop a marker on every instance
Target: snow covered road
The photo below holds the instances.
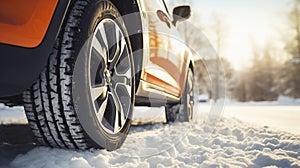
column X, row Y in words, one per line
column 282, row 118
column 225, row 143
column 213, row 142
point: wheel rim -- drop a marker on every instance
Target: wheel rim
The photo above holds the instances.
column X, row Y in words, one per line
column 110, row 76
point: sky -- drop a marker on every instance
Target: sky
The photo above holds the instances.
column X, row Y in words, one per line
column 246, row 22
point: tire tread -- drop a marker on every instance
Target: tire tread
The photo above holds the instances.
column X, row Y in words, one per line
column 48, row 103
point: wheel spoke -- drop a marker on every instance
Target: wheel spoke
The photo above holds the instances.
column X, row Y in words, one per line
column 120, row 117
column 118, row 53
column 102, row 108
column 122, row 73
column 97, row 65
column 117, row 111
column 110, row 30
column 123, row 93
column 98, row 92
column 108, row 119
column 100, row 43
column 124, row 64
column 116, row 45
column 118, row 79
column 116, row 99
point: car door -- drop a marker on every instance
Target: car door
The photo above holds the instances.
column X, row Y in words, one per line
column 162, row 66
column 179, row 55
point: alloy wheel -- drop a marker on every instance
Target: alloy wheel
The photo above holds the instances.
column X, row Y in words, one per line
column 110, row 76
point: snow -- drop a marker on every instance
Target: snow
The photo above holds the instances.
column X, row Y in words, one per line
column 281, row 118
column 246, row 135
column 284, row 100
column 226, row 143
column 281, row 101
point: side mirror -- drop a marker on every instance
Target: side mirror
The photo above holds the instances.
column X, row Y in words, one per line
column 181, row 13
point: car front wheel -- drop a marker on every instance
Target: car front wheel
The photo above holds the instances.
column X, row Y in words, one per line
column 84, row 97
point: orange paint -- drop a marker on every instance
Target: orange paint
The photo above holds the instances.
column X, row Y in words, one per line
column 25, row 22
column 154, row 80
column 173, row 71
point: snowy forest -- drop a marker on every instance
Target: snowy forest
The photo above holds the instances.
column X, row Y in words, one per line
column 272, row 71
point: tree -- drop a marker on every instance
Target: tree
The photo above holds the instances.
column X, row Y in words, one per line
column 258, row 82
column 291, row 71
column 239, row 84
column 262, row 86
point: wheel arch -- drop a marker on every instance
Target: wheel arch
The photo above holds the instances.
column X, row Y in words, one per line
column 21, row 66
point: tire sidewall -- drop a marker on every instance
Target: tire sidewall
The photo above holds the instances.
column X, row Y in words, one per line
column 187, row 115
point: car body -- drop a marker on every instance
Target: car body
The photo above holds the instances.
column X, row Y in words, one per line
column 29, row 30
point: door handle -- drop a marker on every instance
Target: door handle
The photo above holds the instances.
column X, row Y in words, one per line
column 164, row 18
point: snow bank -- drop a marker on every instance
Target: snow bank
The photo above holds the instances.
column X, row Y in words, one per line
column 281, row 101
column 224, row 143
column 284, row 100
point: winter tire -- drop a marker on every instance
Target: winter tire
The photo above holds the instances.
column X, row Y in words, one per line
column 84, row 97
column 183, row 111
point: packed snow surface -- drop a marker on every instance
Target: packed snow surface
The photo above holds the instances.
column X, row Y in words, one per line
column 233, row 139
column 223, row 143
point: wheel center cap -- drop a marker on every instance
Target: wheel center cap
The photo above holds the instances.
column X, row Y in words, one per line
column 107, row 76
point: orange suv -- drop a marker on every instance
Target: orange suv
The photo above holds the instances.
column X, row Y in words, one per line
column 80, row 66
